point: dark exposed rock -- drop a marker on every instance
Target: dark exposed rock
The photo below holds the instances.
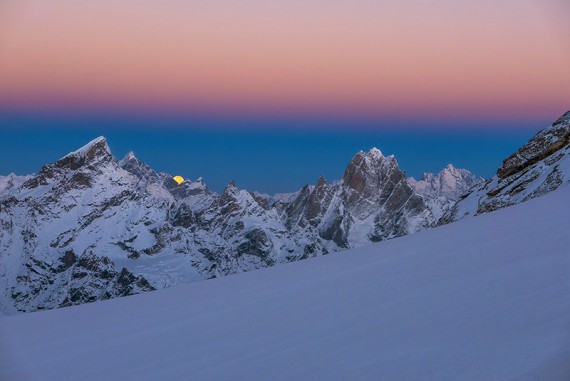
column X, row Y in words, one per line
column 538, row 167
column 68, row 260
column 133, row 165
column 86, row 158
column 87, row 279
column 296, row 209
column 79, row 180
column 336, row 230
column 542, row 145
column 255, row 243
column 183, row 216
column 261, row 201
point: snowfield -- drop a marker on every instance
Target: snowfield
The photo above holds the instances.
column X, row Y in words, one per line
column 485, row 298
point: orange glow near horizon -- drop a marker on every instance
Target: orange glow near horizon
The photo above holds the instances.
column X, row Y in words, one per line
column 298, row 56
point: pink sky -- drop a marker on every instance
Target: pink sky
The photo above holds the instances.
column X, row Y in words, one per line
column 479, row 59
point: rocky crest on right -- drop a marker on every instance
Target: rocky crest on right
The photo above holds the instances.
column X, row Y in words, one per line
column 540, row 166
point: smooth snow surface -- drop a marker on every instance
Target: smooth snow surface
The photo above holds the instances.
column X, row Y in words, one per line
column 486, row 298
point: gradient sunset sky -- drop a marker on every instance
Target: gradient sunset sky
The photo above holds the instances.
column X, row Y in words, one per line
column 293, row 66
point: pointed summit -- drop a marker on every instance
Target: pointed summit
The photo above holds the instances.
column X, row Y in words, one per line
column 129, row 156
column 369, row 170
column 96, row 151
column 450, row 182
column 375, row 153
column 90, row 159
column 230, row 189
column 95, row 148
column 321, row 182
column 131, row 164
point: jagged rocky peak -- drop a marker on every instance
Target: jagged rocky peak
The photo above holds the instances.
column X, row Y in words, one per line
column 366, row 166
column 131, row 164
column 232, row 196
column 450, row 182
column 542, row 145
column 318, row 200
column 187, row 189
column 231, row 189
column 372, row 178
column 96, row 149
column 90, row 157
column 129, row 157
column 194, row 187
column 321, row 182
column 264, row 200
column 310, row 203
column 92, row 153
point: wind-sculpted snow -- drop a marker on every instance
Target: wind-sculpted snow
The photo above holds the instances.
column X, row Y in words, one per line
column 485, row 298
column 540, row 166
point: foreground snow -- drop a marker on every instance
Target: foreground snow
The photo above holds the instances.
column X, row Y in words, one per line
column 486, row 298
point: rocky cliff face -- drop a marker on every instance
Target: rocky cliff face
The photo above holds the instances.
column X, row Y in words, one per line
column 90, row 227
column 371, row 203
column 540, row 166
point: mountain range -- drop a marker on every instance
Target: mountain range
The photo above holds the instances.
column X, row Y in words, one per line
column 91, row 227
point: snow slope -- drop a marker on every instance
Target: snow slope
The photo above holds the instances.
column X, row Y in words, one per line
column 486, row 298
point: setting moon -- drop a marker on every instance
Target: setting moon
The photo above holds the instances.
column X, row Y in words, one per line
column 178, row 179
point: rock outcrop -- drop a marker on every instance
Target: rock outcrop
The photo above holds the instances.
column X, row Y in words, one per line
column 540, row 166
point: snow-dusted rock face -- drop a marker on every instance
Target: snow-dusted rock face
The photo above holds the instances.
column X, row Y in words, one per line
column 90, row 227
column 61, row 229
column 451, row 182
column 540, row 166
column 12, row 182
column 441, row 191
column 371, row 203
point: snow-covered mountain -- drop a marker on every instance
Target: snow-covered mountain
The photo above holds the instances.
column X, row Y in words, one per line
column 451, row 183
column 91, row 227
column 482, row 299
column 442, row 190
column 540, row 166
column 12, row 182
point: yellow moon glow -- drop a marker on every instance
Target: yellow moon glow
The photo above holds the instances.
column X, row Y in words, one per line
column 178, row 179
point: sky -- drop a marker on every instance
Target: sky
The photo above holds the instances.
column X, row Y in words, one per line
column 300, row 85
